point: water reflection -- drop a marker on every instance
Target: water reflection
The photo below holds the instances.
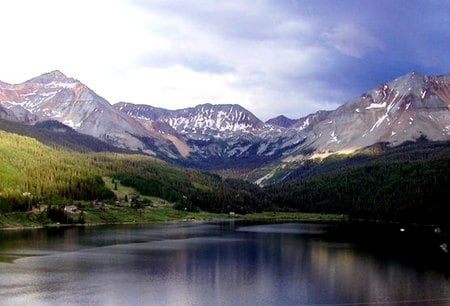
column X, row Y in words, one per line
column 207, row 264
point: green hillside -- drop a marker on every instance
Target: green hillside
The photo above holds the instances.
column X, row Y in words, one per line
column 57, row 135
column 32, row 174
column 399, row 189
column 407, row 183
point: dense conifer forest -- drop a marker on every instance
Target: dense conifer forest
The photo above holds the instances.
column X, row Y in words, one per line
column 409, row 191
column 408, row 183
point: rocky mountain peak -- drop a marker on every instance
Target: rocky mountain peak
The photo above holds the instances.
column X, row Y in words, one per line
column 55, row 96
column 281, row 121
column 411, row 83
column 141, row 111
column 52, row 76
column 209, row 119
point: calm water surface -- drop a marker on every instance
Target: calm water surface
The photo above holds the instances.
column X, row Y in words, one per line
column 228, row 263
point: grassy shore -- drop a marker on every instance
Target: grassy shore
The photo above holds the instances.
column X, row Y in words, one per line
column 120, row 214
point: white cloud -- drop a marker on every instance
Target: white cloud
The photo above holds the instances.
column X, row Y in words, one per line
column 176, row 86
column 170, row 54
column 268, row 56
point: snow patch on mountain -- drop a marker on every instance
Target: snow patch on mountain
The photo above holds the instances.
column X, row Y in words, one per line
column 376, row 105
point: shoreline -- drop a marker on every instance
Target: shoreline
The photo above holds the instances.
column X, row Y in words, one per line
column 201, row 217
column 274, row 217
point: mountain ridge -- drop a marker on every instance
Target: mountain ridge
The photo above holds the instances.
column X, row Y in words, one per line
column 228, row 135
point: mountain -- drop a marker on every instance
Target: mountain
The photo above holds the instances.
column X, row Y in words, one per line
column 33, row 173
column 306, row 123
column 408, row 108
column 406, row 183
column 214, row 120
column 55, row 96
column 229, row 136
column 404, row 109
column 224, row 136
column 282, row 121
column 215, row 136
column 202, row 120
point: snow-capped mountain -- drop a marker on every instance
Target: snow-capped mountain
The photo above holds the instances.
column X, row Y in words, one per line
column 214, row 120
column 204, row 120
column 215, row 135
column 229, row 136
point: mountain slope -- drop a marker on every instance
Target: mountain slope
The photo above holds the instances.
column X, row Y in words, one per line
column 227, row 136
column 216, row 136
column 394, row 112
column 407, row 184
column 55, row 96
column 406, row 109
column 7, row 114
column 32, row 174
column 58, row 135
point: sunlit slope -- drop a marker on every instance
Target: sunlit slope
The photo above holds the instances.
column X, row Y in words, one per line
column 33, row 172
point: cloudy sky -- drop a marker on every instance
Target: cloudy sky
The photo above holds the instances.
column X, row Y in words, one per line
column 272, row 57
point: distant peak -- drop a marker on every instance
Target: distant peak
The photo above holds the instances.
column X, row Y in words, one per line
column 226, row 107
column 413, row 75
column 408, row 83
column 121, row 103
column 50, row 77
column 281, row 120
column 281, row 117
column 56, row 74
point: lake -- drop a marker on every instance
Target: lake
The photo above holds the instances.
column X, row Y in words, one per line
column 222, row 263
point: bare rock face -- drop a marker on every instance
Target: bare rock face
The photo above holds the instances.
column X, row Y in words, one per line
column 404, row 109
column 6, row 114
column 55, row 96
column 303, row 124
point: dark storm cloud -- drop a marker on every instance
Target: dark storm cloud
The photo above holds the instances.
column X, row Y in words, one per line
column 299, row 56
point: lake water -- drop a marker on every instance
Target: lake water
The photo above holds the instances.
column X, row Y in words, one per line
column 224, row 263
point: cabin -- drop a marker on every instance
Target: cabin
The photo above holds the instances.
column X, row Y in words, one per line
column 70, row 208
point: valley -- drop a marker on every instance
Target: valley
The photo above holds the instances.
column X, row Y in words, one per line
column 384, row 155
